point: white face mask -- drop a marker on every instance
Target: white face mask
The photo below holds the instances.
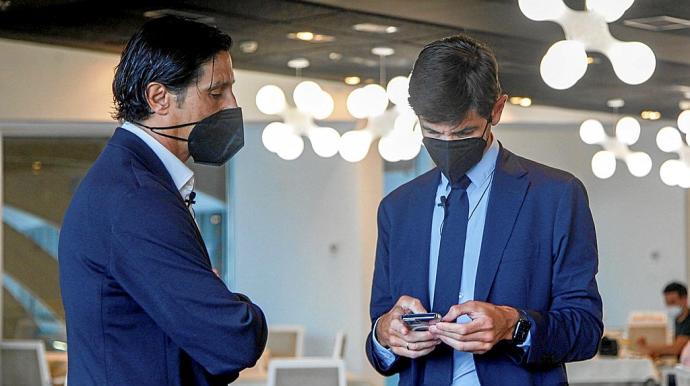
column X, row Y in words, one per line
column 674, row 312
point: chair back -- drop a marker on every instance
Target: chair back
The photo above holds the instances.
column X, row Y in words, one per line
column 23, row 363
column 306, row 372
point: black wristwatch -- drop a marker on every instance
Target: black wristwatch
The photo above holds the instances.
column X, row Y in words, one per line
column 521, row 329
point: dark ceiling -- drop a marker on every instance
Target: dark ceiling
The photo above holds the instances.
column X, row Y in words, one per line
column 105, row 25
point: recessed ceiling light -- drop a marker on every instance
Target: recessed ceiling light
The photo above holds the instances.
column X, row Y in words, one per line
column 298, row 63
column 375, row 28
column 335, row 56
column 249, row 46
column 382, row 51
column 521, row 101
column 650, row 115
column 310, row 37
column 615, row 103
column 306, row 36
column 352, row 80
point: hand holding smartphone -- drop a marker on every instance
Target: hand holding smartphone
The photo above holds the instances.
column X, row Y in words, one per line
column 421, row 322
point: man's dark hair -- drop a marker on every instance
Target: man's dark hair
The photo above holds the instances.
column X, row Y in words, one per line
column 452, row 77
column 169, row 50
column 676, row 287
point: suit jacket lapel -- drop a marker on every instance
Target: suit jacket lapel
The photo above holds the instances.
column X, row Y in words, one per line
column 419, row 229
column 506, row 198
column 146, row 156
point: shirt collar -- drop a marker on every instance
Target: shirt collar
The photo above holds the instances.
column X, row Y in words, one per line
column 483, row 169
column 182, row 176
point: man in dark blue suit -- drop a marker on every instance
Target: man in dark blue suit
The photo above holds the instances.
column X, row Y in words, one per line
column 142, row 304
column 503, row 248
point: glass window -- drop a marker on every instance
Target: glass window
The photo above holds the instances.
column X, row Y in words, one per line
column 40, row 176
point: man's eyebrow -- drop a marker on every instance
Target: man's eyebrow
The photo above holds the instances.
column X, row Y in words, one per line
column 465, row 128
column 221, row 84
column 427, row 128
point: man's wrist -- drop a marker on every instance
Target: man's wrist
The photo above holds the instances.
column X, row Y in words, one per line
column 512, row 316
column 377, row 336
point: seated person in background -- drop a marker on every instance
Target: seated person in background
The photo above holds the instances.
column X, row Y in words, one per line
column 676, row 298
column 685, row 356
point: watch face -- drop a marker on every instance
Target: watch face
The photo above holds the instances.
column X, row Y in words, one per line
column 521, row 331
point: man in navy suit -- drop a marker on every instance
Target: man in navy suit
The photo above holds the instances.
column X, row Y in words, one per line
column 503, row 248
column 142, row 304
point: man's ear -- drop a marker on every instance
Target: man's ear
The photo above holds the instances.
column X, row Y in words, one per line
column 498, row 109
column 158, row 97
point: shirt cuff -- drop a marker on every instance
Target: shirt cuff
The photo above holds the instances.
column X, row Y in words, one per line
column 386, row 356
column 527, row 343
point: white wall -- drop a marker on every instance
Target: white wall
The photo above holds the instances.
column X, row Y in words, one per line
column 42, row 82
column 640, row 222
column 304, row 241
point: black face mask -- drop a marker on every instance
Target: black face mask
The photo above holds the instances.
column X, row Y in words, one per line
column 456, row 158
column 214, row 139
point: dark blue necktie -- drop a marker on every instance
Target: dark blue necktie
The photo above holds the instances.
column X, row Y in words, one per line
column 439, row 364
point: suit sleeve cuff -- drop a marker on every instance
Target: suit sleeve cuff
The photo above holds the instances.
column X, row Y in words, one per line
column 384, row 355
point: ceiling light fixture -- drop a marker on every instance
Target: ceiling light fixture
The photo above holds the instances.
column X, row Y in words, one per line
column 676, row 172
column 615, row 103
column 521, row 101
column 335, row 56
column 249, row 46
column 306, row 36
column 285, row 138
column 311, row 37
column 375, row 28
column 566, row 61
column 650, row 115
column 627, row 133
column 352, row 80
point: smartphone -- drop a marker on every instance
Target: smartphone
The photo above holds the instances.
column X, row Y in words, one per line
column 421, row 322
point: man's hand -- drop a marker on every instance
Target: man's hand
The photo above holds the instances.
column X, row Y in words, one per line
column 392, row 332
column 490, row 324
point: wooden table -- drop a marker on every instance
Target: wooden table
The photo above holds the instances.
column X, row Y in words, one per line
column 57, row 364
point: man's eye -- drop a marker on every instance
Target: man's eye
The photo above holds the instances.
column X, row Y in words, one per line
column 216, row 95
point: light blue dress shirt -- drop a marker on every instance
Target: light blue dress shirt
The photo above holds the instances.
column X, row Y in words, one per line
column 478, row 193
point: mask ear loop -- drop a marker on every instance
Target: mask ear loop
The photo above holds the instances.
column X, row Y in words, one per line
column 153, row 129
column 489, row 122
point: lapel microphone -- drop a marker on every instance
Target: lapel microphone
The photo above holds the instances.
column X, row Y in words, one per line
column 190, row 200
column 443, row 203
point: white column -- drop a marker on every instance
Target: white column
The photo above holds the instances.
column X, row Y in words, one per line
column 370, row 192
column 2, row 249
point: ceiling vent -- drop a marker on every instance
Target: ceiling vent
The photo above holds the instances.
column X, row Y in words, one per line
column 658, row 23
column 174, row 12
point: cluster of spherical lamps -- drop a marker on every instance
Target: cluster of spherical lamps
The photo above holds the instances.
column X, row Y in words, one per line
column 676, row 172
column 627, row 133
column 566, row 61
column 397, row 127
column 285, row 137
